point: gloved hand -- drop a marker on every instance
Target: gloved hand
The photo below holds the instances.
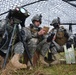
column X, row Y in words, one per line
column 50, row 38
column 41, row 32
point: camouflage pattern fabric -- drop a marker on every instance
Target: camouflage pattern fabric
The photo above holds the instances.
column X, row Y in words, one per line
column 18, row 48
column 43, row 47
column 37, row 42
column 60, row 39
column 9, row 30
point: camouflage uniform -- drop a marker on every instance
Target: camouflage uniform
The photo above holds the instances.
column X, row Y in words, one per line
column 37, row 42
column 34, row 41
column 60, row 38
column 43, row 47
column 16, row 19
column 2, row 30
column 18, row 46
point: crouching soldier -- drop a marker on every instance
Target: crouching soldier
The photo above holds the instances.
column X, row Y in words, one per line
column 38, row 39
column 19, row 49
column 7, row 28
column 60, row 37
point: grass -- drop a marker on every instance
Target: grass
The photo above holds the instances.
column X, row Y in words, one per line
column 60, row 69
column 52, row 70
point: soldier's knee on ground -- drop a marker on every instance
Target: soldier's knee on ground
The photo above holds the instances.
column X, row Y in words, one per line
column 36, row 58
column 43, row 61
column 56, row 59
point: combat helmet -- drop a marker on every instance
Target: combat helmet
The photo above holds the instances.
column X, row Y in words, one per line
column 56, row 22
column 37, row 18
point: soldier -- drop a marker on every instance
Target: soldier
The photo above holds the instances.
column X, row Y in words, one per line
column 59, row 36
column 16, row 16
column 19, row 48
column 38, row 39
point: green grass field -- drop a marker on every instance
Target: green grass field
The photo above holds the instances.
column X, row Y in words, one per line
column 52, row 70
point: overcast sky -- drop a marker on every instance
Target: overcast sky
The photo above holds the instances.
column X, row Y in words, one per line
column 49, row 9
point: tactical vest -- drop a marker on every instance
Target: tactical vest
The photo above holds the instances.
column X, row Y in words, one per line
column 34, row 30
column 60, row 36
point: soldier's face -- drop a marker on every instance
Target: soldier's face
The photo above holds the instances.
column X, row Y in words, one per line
column 37, row 23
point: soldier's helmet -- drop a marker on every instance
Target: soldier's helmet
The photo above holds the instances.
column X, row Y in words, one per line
column 19, row 13
column 56, row 22
column 37, row 18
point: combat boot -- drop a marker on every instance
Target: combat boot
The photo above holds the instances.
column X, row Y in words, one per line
column 43, row 61
column 15, row 62
column 56, row 59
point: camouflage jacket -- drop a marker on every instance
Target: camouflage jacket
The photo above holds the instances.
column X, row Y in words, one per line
column 61, row 35
column 3, row 28
column 26, row 34
column 34, row 31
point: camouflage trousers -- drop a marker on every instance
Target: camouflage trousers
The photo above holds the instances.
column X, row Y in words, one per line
column 18, row 48
column 42, row 47
column 56, row 48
